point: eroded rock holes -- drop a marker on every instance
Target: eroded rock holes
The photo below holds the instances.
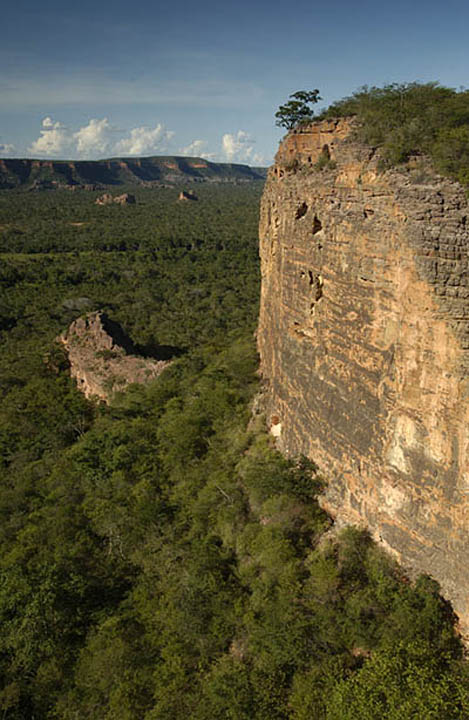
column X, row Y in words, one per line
column 301, row 211
column 317, row 225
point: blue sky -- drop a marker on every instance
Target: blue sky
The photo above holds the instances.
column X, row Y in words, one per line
column 97, row 79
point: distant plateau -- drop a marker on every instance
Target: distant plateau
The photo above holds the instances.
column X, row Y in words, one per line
column 94, row 174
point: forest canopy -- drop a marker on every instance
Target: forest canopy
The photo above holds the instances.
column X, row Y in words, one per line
column 159, row 560
column 405, row 119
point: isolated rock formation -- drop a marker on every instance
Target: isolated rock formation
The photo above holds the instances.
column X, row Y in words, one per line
column 183, row 195
column 105, row 199
column 108, row 199
column 100, row 357
column 364, row 343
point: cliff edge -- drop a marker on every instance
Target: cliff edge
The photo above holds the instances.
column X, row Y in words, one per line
column 364, row 342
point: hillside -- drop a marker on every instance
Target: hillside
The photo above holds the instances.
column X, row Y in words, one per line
column 53, row 174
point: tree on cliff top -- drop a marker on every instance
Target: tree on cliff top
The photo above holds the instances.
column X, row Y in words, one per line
column 297, row 112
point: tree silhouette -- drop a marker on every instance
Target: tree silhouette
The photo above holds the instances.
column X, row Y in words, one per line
column 297, row 111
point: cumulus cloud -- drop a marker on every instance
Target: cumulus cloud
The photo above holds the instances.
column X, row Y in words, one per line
column 239, row 147
column 197, row 148
column 93, row 139
column 6, row 148
column 259, row 160
column 53, row 140
column 143, row 140
column 99, row 138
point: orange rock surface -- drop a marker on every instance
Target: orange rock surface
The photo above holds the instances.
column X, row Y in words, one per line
column 364, row 343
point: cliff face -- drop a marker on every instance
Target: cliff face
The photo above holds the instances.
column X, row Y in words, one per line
column 364, row 343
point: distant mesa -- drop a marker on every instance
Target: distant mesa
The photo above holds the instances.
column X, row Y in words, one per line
column 108, row 199
column 102, row 357
column 155, row 171
column 183, row 196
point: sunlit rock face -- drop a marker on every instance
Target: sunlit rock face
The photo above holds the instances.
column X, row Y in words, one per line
column 364, row 343
column 101, row 359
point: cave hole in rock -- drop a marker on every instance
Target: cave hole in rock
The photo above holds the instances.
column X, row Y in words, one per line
column 301, row 211
column 317, row 225
column 316, row 283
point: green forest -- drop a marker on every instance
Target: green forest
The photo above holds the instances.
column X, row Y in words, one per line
column 159, row 559
column 412, row 119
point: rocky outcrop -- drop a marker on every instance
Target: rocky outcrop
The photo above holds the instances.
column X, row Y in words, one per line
column 101, row 359
column 184, row 196
column 364, row 343
column 125, row 199
column 108, row 199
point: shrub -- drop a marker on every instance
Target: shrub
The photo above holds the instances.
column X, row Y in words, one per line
column 412, row 119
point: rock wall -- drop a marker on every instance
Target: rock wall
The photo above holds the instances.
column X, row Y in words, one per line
column 364, row 343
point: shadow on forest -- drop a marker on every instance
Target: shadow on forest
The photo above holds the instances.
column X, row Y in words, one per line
column 159, row 352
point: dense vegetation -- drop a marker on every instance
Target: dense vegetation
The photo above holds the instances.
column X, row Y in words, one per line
column 158, row 559
column 413, row 119
column 297, row 111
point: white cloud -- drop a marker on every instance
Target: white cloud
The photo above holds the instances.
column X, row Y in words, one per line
column 6, row 148
column 197, row 148
column 239, row 147
column 143, row 140
column 53, row 140
column 93, row 139
column 98, row 138
column 259, row 160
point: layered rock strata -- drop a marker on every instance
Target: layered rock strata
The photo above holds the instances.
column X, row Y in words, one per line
column 364, row 343
column 101, row 359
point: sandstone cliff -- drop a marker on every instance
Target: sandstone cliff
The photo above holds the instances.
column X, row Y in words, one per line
column 364, row 343
column 100, row 357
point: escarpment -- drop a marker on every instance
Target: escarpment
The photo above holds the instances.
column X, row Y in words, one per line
column 364, row 343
